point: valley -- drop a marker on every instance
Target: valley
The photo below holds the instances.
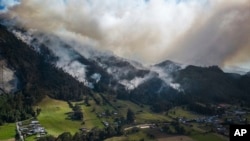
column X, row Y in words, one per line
column 176, row 124
column 57, row 88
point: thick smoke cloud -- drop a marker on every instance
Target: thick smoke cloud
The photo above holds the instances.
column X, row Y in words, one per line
column 201, row 32
column 222, row 38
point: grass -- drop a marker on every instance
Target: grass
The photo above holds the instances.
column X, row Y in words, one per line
column 198, row 127
column 180, row 112
column 30, row 138
column 117, row 139
column 142, row 114
column 176, row 138
column 132, row 137
column 90, row 117
column 7, row 131
column 138, row 136
column 160, row 136
column 144, row 117
column 54, row 118
column 197, row 133
column 124, row 105
column 207, row 137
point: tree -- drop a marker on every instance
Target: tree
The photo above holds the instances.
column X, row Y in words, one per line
column 110, row 131
column 66, row 136
column 77, row 137
column 86, row 101
column 77, row 108
column 38, row 111
column 107, row 112
column 78, row 115
column 77, row 112
column 130, row 116
column 46, row 138
column 178, row 128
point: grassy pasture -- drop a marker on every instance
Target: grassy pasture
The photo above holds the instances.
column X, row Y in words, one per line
column 142, row 114
column 180, row 112
column 7, row 132
column 53, row 117
column 90, row 118
column 208, row 137
column 176, row 138
column 132, row 137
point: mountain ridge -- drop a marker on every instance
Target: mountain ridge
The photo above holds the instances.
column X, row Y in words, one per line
column 161, row 83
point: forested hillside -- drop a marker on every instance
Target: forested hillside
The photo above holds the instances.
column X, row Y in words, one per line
column 38, row 78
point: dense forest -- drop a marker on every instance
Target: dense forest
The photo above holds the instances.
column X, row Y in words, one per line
column 14, row 108
column 37, row 76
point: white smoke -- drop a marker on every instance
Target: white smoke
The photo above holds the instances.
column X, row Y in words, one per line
column 201, row 32
column 135, row 82
column 134, row 29
column 8, row 79
column 164, row 74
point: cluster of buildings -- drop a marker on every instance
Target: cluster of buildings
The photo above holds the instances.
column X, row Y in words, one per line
column 105, row 115
column 220, row 123
column 32, row 128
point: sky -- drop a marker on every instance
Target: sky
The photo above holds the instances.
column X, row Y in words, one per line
column 198, row 32
column 5, row 4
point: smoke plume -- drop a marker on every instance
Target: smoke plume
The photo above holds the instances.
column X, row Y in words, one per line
column 200, row 32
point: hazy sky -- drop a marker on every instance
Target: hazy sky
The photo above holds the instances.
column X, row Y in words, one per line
column 200, row 32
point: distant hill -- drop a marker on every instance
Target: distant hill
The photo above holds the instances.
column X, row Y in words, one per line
column 212, row 85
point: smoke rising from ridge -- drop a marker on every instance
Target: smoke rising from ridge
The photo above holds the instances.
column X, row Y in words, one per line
column 204, row 32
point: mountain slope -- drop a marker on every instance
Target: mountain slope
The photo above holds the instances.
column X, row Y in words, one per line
column 37, row 75
column 63, row 72
column 211, row 85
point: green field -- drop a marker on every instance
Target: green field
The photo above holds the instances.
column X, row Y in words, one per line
column 124, row 105
column 90, row 117
column 161, row 136
column 54, row 118
column 7, row 131
column 142, row 114
column 180, row 112
column 199, row 134
column 30, row 138
column 208, row 137
column 147, row 117
column 117, row 139
column 132, row 137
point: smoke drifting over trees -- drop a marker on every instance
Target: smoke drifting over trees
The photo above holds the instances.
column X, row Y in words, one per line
column 204, row 32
